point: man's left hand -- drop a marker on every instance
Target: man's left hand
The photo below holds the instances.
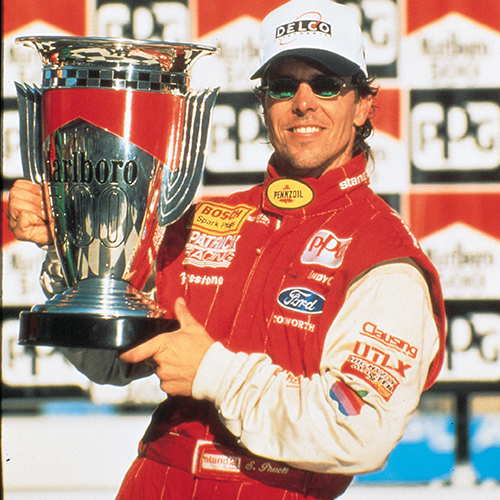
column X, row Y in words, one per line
column 176, row 355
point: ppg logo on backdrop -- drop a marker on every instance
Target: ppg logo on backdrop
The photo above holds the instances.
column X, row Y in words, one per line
column 379, row 20
column 143, row 19
column 455, row 135
column 473, row 341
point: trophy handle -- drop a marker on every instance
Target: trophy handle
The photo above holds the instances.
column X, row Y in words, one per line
column 30, row 101
column 179, row 186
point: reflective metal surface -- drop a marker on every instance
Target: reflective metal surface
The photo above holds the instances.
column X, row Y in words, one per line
column 117, row 140
column 95, row 51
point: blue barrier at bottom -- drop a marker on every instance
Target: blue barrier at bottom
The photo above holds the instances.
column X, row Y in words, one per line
column 426, row 451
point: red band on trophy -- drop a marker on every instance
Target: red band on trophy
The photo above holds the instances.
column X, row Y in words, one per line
column 139, row 117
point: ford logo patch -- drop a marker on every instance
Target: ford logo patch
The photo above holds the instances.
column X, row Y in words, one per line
column 301, row 300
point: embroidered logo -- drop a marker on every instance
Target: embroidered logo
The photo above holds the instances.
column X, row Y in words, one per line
column 216, row 462
column 207, row 250
column 354, row 181
column 219, row 219
column 201, row 280
column 381, row 358
column 301, row 300
column 373, row 331
column 308, row 23
column 350, row 402
column 294, row 322
column 320, row 278
column 378, row 378
column 325, row 249
column 289, row 194
column 269, row 467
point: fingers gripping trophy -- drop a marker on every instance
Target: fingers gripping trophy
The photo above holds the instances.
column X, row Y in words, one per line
column 117, row 139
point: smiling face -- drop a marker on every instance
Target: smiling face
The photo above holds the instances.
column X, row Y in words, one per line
column 311, row 135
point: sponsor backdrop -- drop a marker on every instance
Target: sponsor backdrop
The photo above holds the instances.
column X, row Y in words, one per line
column 437, row 161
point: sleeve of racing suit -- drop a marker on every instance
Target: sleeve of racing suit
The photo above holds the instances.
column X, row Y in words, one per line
column 101, row 366
column 348, row 417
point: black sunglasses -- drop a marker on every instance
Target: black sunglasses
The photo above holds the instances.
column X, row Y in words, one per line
column 324, row 87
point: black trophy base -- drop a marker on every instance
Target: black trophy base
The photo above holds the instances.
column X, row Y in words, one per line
column 90, row 331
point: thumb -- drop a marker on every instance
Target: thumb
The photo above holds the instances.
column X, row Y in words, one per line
column 183, row 314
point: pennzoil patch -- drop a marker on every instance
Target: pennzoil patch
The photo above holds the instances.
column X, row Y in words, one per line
column 289, row 194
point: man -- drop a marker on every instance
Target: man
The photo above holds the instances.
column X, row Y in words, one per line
column 310, row 324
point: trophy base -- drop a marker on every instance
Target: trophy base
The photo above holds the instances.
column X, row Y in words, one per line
column 96, row 313
column 89, row 331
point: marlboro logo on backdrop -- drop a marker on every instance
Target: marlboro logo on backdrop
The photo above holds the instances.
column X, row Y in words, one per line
column 37, row 17
column 389, row 146
column 451, row 44
column 22, row 64
column 379, row 21
column 486, row 12
column 457, row 227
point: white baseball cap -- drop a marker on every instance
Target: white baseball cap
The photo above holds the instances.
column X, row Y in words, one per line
column 322, row 30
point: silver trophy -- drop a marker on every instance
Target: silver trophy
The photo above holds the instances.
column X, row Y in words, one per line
column 117, row 139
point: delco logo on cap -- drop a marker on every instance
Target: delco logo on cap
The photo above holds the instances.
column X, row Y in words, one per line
column 289, row 194
column 304, row 26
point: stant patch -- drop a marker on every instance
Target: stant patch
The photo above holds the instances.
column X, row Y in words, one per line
column 289, row 194
column 218, row 219
column 220, row 462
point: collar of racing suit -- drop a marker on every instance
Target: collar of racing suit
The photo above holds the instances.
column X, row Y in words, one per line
column 297, row 198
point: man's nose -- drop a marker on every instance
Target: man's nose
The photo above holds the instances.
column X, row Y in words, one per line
column 304, row 100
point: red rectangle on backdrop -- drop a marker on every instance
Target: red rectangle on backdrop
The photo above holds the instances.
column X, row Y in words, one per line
column 209, row 16
column 420, row 13
column 67, row 16
column 431, row 209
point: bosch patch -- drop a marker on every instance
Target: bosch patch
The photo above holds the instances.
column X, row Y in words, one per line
column 218, row 219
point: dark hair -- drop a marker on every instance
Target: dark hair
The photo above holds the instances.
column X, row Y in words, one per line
column 364, row 87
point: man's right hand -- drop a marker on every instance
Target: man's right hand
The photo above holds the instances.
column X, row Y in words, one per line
column 28, row 220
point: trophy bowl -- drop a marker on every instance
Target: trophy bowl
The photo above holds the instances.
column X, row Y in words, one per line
column 116, row 138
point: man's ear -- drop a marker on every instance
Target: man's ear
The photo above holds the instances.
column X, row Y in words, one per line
column 363, row 110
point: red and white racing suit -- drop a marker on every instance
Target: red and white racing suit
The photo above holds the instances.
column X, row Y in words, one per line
column 329, row 322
